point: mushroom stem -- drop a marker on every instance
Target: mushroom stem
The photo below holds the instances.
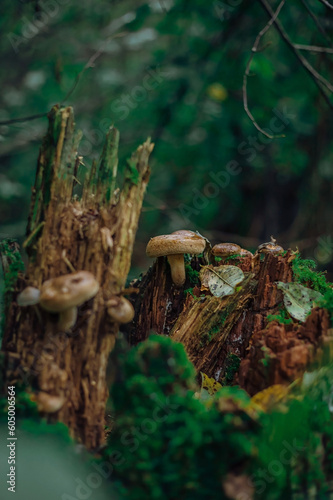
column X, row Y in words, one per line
column 177, row 269
column 67, row 319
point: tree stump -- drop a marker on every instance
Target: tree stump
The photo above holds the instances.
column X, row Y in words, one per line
column 75, row 225
column 230, row 338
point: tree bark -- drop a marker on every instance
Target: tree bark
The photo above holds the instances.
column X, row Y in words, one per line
column 75, row 226
column 230, row 338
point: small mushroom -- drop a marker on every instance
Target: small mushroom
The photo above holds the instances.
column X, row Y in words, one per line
column 174, row 246
column 245, row 253
column 270, row 247
column 47, row 403
column 120, row 310
column 226, row 249
column 185, row 232
column 64, row 294
column 28, row 297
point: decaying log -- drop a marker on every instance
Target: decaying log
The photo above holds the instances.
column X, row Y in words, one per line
column 279, row 354
column 158, row 302
column 75, row 223
column 220, row 334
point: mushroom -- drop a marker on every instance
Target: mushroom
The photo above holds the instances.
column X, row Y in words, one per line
column 245, row 253
column 174, row 246
column 120, row 310
column 28, row 297
column 270, row 247
column 48, row 403
column 64, row 294
column 226, row 249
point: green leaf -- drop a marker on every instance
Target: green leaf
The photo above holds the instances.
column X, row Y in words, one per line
column 298, row 299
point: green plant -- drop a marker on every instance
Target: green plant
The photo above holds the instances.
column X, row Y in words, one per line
column 281, row 317
column 192, row 274
column 232, row 363
column 169, row 444
column 13, row 267
column 304, row 272
column 207, row 336
column 236, row 256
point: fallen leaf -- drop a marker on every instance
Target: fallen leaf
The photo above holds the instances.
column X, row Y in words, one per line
column 298, row 299
column 209, row 384
column 221, row 280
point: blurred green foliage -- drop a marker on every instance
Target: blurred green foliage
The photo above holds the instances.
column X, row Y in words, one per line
column 171, row 445
column 173, row 70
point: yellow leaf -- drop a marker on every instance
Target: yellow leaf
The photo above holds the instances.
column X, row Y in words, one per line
column 209, row 384
column 217, row 91
column 269, row 397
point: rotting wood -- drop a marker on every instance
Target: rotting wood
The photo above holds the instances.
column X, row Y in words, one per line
column 89, row 226
column 212, row 329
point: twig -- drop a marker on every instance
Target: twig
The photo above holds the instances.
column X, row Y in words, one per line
column 25, row 119
column 90, row 64
column 313, row 48
column 316, row 21
column 248, row 67
column 316, row 77
column 325, row 2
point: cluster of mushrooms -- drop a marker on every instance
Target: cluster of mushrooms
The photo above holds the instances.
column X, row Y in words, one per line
column 63, row 295
column 175, row 245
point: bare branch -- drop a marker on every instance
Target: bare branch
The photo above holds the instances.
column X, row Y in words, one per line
column 316, row 21
column 248, row 67
column 89, row 64
column 317, row 78
column 326, row 3
column 313, row 48
column 25, row 119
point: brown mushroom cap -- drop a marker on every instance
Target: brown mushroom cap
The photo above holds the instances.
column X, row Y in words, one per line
column 28, row 297
column 48, row 403
column 245, row 253
column 225, row 249
column 269, row 248
column 120, row 310
column 70, row 290
column 175, row 244
column 185, row 232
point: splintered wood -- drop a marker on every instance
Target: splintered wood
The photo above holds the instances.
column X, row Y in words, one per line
column 73, row 226
column 215, row 330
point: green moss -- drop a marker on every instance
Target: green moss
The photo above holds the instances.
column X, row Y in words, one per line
column 265, row 361
column 13, row 267
column 327, row 302
column 282, row 317
column 231, row 368
column 131, row 172
column 171, row 445
column 206, row 337
column 236, row 256
column 304, row 272
column 192, row 274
